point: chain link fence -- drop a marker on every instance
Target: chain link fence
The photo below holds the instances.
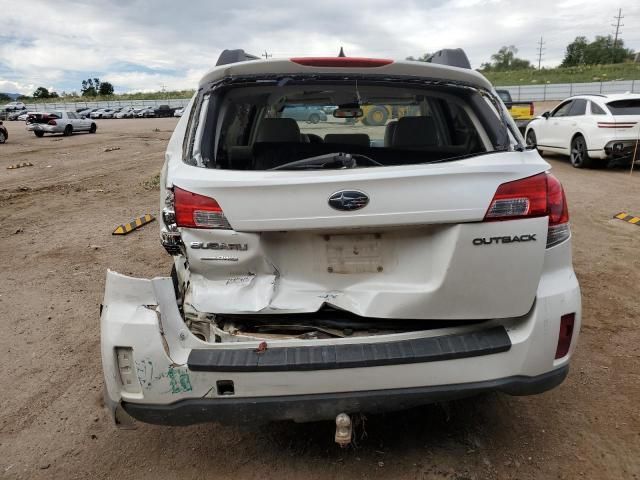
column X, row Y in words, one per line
column 560, row 91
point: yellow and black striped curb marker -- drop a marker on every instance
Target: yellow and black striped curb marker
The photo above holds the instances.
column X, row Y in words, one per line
column 628, row 218
column 131, row 226
column 20, row 165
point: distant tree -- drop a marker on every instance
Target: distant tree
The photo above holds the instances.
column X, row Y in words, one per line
column 600, row 51
column 4, row 98
column 90, row 87
column 105, row 89
column 42, row 92
column 24, row 98
column 422, row 58
column 505, row 59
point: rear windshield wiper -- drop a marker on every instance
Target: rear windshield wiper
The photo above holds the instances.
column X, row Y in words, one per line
column 330, row 160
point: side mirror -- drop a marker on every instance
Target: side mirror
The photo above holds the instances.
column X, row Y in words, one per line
column 546, row 114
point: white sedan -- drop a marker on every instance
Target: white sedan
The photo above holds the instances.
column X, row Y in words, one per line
column 63, row 122
column 590, row 129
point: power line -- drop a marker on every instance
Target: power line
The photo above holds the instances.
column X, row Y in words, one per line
column 617, row 25
column 540, row 50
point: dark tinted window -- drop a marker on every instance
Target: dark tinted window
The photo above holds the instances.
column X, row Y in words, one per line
column 504, row 95
column 625, row 107
column 562, row 110
column 579, row 107
column 596, row 110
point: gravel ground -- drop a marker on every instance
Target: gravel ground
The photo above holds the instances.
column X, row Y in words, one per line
column 55, row 227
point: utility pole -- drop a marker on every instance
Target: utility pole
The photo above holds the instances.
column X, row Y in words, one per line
column 540, row 50
column 618, row 32
column 266, row 55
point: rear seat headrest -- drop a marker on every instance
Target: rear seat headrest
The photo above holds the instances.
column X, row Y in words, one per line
column 360, row 139
column 389, row 130
column 278, row 130
column 415, row 132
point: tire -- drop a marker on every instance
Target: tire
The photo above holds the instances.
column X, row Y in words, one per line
column 38, row 133
column 579, row 155
column 530, row 139
column 3, row 139
column 314, row 118
column 93, row 128
column 376, row 117
column 68, row 130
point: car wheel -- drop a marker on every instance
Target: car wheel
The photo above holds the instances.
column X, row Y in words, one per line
column 314, row 118
column 377, row 116
column 93, row 128
column 532, row 140
column 68, row 130
column 39, row 134
column 579, row 154
column 2, row 137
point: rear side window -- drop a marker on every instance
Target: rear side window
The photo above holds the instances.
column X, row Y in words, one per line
column 578, row 107
column 625, row 107
column 596, row 110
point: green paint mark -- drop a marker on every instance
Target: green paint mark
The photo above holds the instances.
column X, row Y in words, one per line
column 179, row 380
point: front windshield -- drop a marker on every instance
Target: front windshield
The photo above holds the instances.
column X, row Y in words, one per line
column 268, row 127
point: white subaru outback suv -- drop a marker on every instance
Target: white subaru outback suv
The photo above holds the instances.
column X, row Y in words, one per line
column 339, row 267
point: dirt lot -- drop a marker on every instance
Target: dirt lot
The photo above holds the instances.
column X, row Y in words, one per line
column 56, row 219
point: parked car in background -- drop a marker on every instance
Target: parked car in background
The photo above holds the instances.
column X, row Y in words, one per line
column 86, row 112
column 165, row 111
column 367, row 270
column 12, row 106
column 103, row 113
column 14, row 115
column 125, row 112
column 59, row 121
column 4, row 135
column 304, row 113
column 521, row 112
column 24, row 115
column 178, row 112
column 591, row 130
column 146, row 112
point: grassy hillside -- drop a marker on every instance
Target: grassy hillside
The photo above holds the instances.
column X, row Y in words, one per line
column 123, row 97
column 593, row 73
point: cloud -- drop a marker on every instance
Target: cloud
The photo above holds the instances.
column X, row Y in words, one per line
column 140, row 45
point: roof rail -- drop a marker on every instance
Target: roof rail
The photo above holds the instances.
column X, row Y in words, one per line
column 453, row 57
column 234, row 56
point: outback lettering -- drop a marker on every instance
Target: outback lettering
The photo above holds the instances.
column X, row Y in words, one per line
column 529, row 237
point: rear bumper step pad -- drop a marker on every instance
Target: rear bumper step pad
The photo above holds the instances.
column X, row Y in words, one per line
column 331, row 357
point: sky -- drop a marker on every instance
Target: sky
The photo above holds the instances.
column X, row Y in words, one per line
column 150, row 44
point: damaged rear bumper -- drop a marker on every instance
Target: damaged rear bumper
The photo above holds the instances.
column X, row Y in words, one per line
column 157, row 371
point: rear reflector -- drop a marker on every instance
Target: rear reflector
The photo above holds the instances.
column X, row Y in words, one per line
column 538, row 196
column 565, row 335
column 198, row 211
column 353, row 62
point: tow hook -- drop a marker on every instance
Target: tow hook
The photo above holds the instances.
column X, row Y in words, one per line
column 343, row 430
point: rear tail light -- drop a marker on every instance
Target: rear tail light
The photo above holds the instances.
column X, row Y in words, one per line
column 198, row 211
column 341, row 62
column 616, row 124
column 531, row 109
column 538, row 196
column 51, row 122
column 565, row 335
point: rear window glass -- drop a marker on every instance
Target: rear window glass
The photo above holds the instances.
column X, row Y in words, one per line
column 625, row 107
column 270, row 127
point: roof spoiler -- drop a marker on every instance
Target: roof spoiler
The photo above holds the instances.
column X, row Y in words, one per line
column 453, row 57
column 234, row 56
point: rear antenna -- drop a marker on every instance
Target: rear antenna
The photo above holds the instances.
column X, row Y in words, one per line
column 341, row 54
